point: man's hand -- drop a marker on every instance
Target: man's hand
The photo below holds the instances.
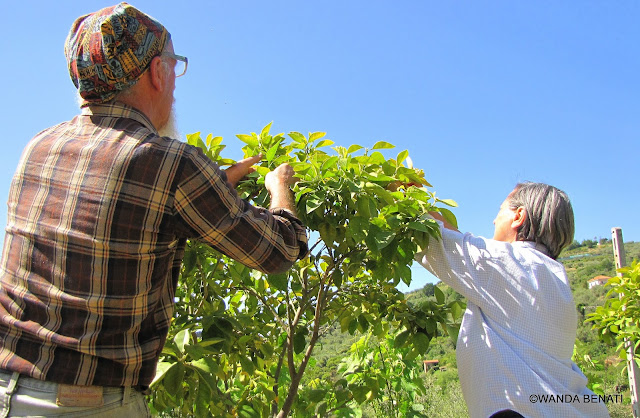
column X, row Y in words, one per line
column 283, row 176
column 236, row 172
column 277, row 183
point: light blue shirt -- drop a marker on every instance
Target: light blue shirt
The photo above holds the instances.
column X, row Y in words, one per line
column 517, row 335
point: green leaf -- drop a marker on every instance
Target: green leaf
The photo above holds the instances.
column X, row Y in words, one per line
column 181, row 339
column 401, row 157
column 344, row 323
column 376, row 158
column 401, row 339
column 203, row 398
column 248, row 139
column 431, row 326
column 247, row 364
column 265, row 130
column 449, row 217
column 353, row 326
column 448, row 202
column 383, row 238
column 298, row 137
column 316, row 395
column 300, row 341
column 313, row 203
column 383, row 145
column 324, row 143
column 418, row 226
column 272, row 152
column 358, row 228
column 456, row 310
column 380, row 192
column 364, row 209
column 316, row 135
column 439, row 295
column 331, row 162
column 278, row 281
column 359, row 393
column 173, row 378
column 453, row 330
column 364, row 324
column 421, row 342
column 206, row 369
column 337, row 278
column 246, row 411
column 213, row 141
column 189, row 261
column 354, row 148
column 192, row 139
column 321, row 409
column 161, row 370
column 210, row 341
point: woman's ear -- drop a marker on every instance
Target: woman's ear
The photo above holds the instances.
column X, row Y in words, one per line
column 519, row 217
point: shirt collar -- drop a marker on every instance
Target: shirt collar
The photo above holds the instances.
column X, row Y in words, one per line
column 118, row 110
column 538, row 247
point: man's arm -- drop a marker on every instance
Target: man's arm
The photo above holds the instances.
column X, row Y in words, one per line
column 210, row 210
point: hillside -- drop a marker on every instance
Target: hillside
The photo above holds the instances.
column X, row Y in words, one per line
column 589, row 259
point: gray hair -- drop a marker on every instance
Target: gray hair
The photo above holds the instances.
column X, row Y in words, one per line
column 549, row 219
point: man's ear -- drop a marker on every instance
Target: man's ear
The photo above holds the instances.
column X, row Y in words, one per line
column 158, row 72
column 519, row 218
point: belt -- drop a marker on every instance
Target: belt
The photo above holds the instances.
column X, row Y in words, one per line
column 37, row 384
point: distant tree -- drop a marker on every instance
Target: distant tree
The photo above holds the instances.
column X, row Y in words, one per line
column 428, row 289
column 606, row 266
column 575, row 244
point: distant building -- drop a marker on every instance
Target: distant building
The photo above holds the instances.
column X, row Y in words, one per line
column 431, row 365
column 598, row 281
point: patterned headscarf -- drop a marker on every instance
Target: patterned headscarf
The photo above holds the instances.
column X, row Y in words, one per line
column 107, row 51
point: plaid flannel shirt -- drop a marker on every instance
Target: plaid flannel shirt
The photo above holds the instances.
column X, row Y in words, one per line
column 99, row 212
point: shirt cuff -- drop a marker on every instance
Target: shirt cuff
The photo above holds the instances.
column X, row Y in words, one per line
column 300, row 229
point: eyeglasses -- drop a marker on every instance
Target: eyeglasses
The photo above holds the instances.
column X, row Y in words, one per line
column 181, row 63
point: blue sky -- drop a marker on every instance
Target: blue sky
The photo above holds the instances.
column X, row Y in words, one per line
column 483, row 94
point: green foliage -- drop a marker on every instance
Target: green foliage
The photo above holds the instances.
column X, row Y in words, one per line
column 241, row 340
column 444, row 397
column 378, row 372
column 619, row 318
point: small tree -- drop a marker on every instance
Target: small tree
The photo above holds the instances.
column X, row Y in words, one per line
column 242, row 340
column 619, row 318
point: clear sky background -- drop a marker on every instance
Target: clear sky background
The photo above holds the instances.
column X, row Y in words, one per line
column 483, row 94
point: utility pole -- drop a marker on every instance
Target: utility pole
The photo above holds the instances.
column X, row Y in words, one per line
column 632, row 367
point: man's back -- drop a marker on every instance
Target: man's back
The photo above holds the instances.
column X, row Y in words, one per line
column 99, row 212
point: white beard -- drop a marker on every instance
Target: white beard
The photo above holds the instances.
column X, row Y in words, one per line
column 170, row 129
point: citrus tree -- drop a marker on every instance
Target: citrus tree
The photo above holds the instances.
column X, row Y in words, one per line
column 241, row 340
column 618, row 320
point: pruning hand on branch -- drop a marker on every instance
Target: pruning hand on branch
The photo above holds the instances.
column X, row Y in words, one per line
column 239, row 170
column 277, row 183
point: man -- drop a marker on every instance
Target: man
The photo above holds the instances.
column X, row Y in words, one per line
column 99, row 212
column 517, row 334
